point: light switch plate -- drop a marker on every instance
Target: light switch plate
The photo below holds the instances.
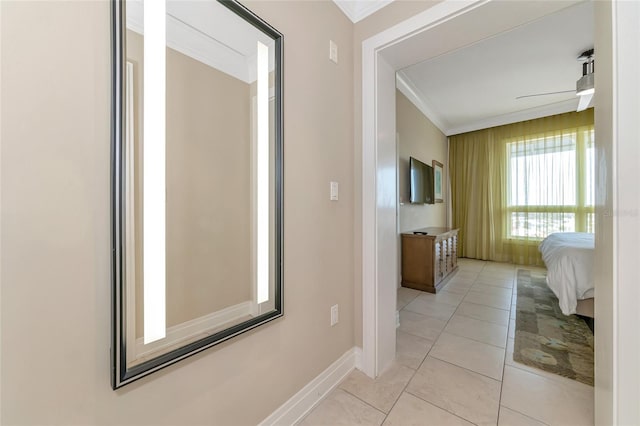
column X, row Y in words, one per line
column 334, row 315
column 333, row 192
column 333, row 51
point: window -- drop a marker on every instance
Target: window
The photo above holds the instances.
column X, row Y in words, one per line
column 550, row 184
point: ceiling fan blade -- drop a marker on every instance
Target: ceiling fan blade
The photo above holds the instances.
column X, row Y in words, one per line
column 584, row 102
column 547, row 93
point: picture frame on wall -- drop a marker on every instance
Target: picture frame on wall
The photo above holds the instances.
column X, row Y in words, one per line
column 438, row 177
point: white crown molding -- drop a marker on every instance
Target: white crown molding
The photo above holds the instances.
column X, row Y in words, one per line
column 356, row 10
column 515, row 117
column 415, row 96
column 198, row 46
column 586, row 101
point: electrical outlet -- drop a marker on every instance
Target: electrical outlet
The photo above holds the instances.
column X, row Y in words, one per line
column 334, row 315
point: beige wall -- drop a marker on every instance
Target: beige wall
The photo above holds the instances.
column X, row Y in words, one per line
column 418, row 137
column 55, row 229
column 54, row 224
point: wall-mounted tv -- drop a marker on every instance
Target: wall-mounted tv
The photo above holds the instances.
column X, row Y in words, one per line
column 421, row 178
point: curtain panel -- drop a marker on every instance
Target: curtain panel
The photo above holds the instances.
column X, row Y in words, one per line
column 513, row 185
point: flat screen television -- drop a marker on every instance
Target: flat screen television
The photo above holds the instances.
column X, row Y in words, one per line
column 421, row 182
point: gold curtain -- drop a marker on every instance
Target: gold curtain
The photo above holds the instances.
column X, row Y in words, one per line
column 513, row 185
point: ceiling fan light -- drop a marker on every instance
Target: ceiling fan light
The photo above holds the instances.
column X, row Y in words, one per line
column 585, row 86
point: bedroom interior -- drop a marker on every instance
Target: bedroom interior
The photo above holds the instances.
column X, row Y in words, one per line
column 514, row 184
column 55, row 251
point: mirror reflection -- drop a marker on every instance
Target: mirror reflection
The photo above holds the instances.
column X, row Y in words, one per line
column 200, row 198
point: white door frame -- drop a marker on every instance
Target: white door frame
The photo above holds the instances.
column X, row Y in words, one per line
column 377, row 298
column 617, row 341
column 379, row 235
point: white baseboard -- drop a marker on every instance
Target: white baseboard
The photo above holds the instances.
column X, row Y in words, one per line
column 300, row 404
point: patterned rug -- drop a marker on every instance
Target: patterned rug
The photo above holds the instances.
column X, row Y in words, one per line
column 547, row 339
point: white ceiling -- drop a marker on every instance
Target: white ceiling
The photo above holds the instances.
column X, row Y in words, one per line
column 475, row 87
column 209, row 32
column 357, row 10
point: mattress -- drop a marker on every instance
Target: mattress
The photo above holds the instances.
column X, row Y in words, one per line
column 569, row 260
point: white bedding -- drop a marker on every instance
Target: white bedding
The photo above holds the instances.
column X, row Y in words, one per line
column 569, row 260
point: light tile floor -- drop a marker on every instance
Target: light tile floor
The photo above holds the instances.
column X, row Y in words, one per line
column 454, row 365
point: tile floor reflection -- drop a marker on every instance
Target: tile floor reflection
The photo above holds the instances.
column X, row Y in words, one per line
column 454, row 365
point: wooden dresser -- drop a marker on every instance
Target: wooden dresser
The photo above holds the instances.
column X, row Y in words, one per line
column 429, row 258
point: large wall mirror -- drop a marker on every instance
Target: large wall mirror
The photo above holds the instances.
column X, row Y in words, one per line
column 197, row 179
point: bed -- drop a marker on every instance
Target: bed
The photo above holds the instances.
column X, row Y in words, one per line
column 569, row 260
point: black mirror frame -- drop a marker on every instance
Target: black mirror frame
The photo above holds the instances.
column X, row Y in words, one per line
column 120, row 374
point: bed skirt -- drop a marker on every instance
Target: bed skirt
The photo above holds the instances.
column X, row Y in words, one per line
column 584, row 307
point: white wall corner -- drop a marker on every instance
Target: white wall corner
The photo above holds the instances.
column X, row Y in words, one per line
column 300, row 404
column 415, row 96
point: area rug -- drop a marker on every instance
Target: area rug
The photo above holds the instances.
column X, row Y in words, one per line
column 547, row 339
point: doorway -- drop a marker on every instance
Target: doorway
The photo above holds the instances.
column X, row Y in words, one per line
column 426, row 35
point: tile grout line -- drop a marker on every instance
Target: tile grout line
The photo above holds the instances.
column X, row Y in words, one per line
column 479, row 341
column 480, row 319
column 443, row 330
column 404, row 389
column 505, row 351
column 361, row 400
column 506, row 347
column 504, row 366
column 443, row 409
column 486, row 306
column 464, row 368
column 477, row 319
column 466, row 316
column 523, row 415
column 512, row 303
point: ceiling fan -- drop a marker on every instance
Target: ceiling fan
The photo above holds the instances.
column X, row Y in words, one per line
column 584, row 86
